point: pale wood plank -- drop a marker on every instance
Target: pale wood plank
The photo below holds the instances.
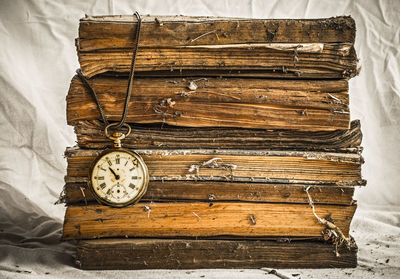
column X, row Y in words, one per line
column 201, row 219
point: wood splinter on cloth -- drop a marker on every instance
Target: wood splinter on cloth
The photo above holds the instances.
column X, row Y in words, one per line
column 275, row 272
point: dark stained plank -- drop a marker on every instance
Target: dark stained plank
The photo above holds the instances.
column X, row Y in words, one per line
column 312, row 105
column 90, row 134
column 75, row 193
column 193, row 254
column 100, row 32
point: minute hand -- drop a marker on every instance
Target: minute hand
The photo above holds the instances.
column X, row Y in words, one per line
column 113, row 172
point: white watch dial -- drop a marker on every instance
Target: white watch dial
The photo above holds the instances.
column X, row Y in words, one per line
column 119, row 177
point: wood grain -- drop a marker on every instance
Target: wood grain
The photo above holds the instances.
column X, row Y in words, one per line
column 90, row 134
column 242, row 103
column 235, row 165
column 100, row 32
column 201, row 219
column 336, row 61
column 194, row 254
column 75, row 193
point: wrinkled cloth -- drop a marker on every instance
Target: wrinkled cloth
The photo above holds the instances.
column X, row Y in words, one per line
column 38, row 60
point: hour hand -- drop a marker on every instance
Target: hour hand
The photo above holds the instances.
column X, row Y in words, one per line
column 113, row 172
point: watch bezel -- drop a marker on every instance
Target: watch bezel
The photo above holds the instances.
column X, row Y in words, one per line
column 145, row 178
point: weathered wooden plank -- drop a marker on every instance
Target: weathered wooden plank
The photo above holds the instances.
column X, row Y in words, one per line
column 90, row 134
column 99, row 32
column 194, row 254
column 198, row 219
column 224, row 191
column 248, row 103
column 235, row 165
column 321, row 61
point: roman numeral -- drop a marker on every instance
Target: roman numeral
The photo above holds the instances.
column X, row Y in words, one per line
column 109, row 192
column 136, row 177
column 135, row 162
column 126, row 163
column 101, row 168
column 117, row 160
column 103, row 185
column 132, row 186
column 108, row 161
column 132, row 169
column 99, row 177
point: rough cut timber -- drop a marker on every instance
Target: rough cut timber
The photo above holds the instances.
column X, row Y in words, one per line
column 100, row 32
column 272, row 60
column 75, row 193
column 194, row 254
column 258, row 166
column 321, row 48
column 199, row 219
column 312, row 105
column 90, row 134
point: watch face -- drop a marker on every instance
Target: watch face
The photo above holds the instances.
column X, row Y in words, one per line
column 119, row 177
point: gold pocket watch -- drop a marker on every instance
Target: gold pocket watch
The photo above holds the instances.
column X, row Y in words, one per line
column 118, row 177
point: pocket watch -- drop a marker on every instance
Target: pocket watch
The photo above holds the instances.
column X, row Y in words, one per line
column 118, row 177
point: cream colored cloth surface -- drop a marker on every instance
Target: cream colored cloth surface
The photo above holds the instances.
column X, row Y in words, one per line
column 38, row 60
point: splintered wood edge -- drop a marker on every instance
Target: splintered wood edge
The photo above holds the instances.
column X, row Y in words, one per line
column 334, row 156
column 175, row 178
column 196, row 19
column 346, row 67
column 90, row 135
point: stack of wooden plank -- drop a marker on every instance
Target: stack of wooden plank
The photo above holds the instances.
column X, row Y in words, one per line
column 244, row 125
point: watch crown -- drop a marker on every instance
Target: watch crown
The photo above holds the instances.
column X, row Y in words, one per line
column 117, row 134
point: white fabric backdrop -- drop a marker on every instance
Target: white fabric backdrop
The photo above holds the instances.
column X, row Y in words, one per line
column 38, row 60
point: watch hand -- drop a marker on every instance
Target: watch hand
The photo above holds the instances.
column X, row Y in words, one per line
column 113, row 172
